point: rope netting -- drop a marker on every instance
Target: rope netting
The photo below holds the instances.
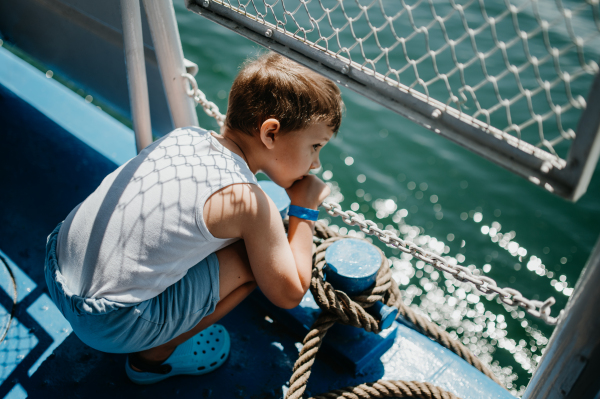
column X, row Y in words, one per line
column 522, row 67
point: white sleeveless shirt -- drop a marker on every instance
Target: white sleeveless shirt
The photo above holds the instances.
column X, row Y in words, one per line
column 143, row 227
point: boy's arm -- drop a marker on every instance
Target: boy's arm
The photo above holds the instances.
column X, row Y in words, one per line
column 307, row 193
column 281, row 265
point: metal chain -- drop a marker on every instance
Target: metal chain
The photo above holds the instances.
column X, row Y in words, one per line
column 483, row 284
column 199, row 97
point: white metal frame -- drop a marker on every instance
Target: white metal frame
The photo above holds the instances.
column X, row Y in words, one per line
column 136, row 72
column 165, row 36
column 566, row 179
column 567, row 366
column 167, row 44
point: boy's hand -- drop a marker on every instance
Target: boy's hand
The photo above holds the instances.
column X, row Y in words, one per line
column 309, row 192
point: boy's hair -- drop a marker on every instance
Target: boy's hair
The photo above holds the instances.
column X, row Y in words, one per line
column 273, row 86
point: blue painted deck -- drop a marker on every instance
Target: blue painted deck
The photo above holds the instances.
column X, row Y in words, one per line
column 55, row 150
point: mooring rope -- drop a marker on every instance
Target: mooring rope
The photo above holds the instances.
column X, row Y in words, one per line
column 338, row 307
column 389, row 389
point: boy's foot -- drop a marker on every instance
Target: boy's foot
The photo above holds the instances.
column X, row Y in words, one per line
column 202, row 353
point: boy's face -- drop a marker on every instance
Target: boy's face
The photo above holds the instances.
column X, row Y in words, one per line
column 296, row 153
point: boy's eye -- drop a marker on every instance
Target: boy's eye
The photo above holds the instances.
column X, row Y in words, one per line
column 316, row 146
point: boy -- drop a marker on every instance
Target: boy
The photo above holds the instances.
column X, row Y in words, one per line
column 174, row 239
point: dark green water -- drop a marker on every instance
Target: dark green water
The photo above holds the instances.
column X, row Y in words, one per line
column 444, row 197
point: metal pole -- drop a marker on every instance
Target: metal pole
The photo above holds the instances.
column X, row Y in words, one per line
column 163, row 27
column 569, row 366
column 586, row 150
column 136, row 72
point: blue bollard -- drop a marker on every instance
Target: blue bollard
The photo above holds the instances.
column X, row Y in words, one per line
column 352, row 267
column 278, row 195
column 385, row 313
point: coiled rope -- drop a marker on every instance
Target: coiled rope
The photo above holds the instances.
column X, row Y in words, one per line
column 338, row 307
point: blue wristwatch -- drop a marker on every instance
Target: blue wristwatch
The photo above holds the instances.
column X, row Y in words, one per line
column 303, row 213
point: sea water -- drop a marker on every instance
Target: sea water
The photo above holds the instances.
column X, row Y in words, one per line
column 445, row 198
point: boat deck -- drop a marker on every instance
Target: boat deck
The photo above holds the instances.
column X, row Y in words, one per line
column 48, row 164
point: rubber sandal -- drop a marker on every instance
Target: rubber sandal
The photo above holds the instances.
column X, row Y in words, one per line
column 201, row 354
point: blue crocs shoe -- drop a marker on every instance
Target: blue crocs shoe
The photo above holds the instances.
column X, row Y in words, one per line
column 201, row 354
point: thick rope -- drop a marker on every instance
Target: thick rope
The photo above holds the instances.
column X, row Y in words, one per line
column 337, row 306
column 389, row 389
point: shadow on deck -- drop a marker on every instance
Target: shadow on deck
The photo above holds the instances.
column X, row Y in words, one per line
column 45, row 172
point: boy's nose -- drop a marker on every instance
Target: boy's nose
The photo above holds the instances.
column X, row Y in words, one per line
column 316, row 164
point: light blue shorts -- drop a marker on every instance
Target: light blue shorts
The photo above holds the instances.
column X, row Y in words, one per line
column 115, row 327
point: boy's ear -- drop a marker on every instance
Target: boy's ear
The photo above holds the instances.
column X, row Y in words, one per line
column 269, row 131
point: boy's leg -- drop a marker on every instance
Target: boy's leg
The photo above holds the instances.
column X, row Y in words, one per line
column 236, row 282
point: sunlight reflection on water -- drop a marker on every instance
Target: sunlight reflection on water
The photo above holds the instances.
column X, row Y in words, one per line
column 481, row 325
column 434, row 193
